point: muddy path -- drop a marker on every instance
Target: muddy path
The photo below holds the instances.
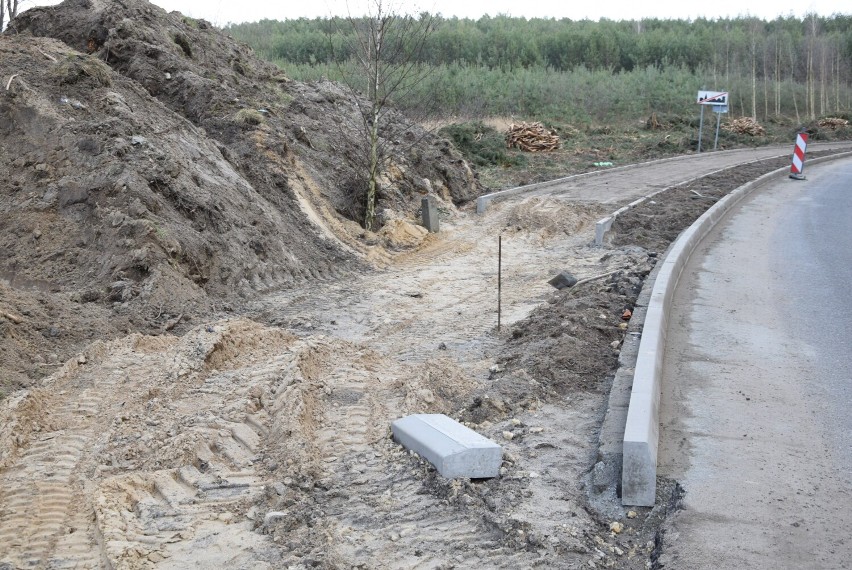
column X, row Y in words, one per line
column 261, row 440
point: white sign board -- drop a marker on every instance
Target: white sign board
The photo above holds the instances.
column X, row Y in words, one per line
column 720, row 108
column 712, row 98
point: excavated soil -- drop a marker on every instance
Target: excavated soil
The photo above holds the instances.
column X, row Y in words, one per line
column 202, row 355
column 158, row 171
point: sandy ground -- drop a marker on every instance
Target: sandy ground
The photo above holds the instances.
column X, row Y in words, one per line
column 262, row 440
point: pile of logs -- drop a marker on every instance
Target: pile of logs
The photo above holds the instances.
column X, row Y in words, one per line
column 531, row 137
column 745, row 126
column 833, row 123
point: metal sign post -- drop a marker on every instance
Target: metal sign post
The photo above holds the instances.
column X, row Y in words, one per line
column 715, row 98
column 718, row 109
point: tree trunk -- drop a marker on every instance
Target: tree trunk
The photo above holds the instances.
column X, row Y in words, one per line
column 823, row 99
column 777, row 77
column 370, row 213
column 793, row 81
column 754, row 71
column 375, row 110
column 837, row 83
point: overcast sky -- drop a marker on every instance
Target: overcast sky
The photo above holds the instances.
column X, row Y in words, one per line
column 221, row 12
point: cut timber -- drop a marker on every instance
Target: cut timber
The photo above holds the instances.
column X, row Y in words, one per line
column 531, row 137
column 453, row 449
column 833, row 123
column 745, row 126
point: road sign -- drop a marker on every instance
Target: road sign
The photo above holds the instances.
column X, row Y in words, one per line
column 712, row 98
column 720, row 108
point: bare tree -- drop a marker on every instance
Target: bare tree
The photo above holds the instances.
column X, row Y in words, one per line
column 386, row 46
column 10, row 9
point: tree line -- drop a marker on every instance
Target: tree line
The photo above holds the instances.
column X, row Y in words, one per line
column 787, row 66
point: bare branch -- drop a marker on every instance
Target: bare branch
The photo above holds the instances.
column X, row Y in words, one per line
column 9, row 83
column 47, row 55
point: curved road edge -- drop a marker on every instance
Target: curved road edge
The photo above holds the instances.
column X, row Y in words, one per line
column 641, row 427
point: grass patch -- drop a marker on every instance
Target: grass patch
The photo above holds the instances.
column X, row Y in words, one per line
column 82, row 68
column 249, row 117
column 621, row 143
column 482, row 145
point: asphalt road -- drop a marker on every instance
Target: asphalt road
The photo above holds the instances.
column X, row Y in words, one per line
column 757, row 388
column 621, row 185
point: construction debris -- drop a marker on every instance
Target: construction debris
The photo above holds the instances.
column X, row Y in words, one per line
column 531, row 137
column 833, row 123
column 745, row 126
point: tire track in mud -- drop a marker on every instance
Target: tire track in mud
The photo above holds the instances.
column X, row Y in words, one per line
column 47, row 520
column 83, row 490
column 198, row 510
column 429, row 326
column 357, row 498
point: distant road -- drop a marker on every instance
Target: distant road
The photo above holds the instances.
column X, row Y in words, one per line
column 614, row 186
column 757, row 392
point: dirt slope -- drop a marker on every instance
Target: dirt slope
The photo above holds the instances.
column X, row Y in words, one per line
column 148, row 190
column 281, row 135
column 113, row 200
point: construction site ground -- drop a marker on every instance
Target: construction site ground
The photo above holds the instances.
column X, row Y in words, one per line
column 259, row 437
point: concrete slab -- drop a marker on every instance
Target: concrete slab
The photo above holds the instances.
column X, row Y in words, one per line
column 454, row 450
column 429, row 215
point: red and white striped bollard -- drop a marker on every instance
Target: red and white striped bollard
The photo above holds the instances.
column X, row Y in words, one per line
column 799, row 157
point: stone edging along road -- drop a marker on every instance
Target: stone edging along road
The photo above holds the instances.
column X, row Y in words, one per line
column 641, row 431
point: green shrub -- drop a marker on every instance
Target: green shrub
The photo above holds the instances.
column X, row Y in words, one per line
column 481, row 144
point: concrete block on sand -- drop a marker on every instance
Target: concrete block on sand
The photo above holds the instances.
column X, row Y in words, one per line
column 430, row 215
column 564, row 280
column 454, row 450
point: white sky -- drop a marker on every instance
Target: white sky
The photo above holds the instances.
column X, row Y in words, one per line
column 221, row 12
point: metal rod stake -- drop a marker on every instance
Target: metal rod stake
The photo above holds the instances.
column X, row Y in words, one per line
column 499, row 277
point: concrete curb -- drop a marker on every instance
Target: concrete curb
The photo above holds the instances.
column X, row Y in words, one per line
column 641, row 431
column 454, row 450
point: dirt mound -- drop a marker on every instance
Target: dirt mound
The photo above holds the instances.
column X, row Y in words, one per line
column 158, row 171
column 266, row 122
column 113, row 200
column 572, row 342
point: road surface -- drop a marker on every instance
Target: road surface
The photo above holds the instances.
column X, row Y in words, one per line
column 621, row 185
column 758, row 384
